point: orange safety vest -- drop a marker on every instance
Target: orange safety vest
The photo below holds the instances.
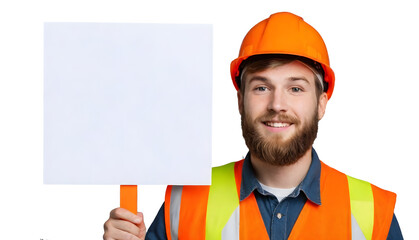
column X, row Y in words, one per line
column 216, row 213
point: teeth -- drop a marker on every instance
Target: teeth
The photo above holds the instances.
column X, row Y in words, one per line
column 277, row 124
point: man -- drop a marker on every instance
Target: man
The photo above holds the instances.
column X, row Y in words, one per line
column 281, row 190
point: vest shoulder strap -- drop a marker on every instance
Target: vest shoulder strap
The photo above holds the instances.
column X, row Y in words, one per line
column 362, row 205
column 206, row 210
column 222, row 200
column 372, row 207
column 341, row 198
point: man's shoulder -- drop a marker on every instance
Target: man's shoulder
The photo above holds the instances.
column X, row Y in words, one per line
column 328, row 170
column 220, row 176
column 226, row 165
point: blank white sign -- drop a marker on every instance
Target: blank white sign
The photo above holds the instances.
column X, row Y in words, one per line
column 127, row 103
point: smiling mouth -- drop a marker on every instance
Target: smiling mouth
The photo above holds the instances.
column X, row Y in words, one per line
column 277, row 124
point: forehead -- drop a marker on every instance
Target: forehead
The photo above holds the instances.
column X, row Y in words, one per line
column 291, row 71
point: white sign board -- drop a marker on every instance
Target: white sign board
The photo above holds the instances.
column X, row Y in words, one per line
column 127, row 104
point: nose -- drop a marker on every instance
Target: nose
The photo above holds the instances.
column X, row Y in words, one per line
column 278, row 102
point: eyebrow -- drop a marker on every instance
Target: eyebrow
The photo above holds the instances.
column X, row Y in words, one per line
column 263, row 79
column 299, row 79
column 258, row 78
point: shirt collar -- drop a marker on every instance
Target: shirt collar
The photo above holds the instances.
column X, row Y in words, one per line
column 310, row 185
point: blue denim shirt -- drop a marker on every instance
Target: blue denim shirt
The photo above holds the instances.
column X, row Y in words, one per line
column 290, row 207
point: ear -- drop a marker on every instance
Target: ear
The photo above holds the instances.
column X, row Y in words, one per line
column 240, row 101
column 321, row 108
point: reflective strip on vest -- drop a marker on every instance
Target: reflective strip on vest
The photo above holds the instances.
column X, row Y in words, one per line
column 222, row 201
column 357, row 233
column 175, row 200
column 231, row 231
column 362, row 205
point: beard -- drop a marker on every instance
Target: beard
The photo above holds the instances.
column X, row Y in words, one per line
column 274, row 149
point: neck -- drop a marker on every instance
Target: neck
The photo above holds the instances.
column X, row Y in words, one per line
column 282, row 176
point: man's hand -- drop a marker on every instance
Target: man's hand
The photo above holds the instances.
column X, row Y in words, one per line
column 123, row 224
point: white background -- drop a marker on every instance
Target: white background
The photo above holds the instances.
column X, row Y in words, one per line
column 369, row 131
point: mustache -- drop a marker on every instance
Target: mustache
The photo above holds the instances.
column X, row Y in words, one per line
column 281, row 117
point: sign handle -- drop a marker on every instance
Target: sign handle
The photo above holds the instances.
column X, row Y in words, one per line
column 128, row 197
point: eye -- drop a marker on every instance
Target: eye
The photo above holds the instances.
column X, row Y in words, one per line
column 296, row 89
column 261, row 89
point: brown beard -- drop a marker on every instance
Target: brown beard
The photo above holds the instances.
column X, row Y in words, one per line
column 275, row 150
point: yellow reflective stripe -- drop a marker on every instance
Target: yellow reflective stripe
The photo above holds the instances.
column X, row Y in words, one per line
column 362, row 205
column 222, row 200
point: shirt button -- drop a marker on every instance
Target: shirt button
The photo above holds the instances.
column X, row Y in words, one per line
column 279, row 215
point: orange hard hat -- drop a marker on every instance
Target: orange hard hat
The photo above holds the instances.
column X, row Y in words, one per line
column 285, row 33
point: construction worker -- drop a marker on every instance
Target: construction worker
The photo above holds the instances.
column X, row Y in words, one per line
column 281, row 190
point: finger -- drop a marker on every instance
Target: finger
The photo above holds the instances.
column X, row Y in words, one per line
column 121, row 213
column 141, row 226
column 128, row 227
column 118, row 234
column 141, row 216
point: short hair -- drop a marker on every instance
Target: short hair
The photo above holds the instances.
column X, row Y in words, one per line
column 259, row 63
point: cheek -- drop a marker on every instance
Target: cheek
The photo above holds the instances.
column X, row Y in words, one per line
column 305, row 110
column 254, row 106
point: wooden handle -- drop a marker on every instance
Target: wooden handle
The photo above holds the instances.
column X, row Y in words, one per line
column 128, row 197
